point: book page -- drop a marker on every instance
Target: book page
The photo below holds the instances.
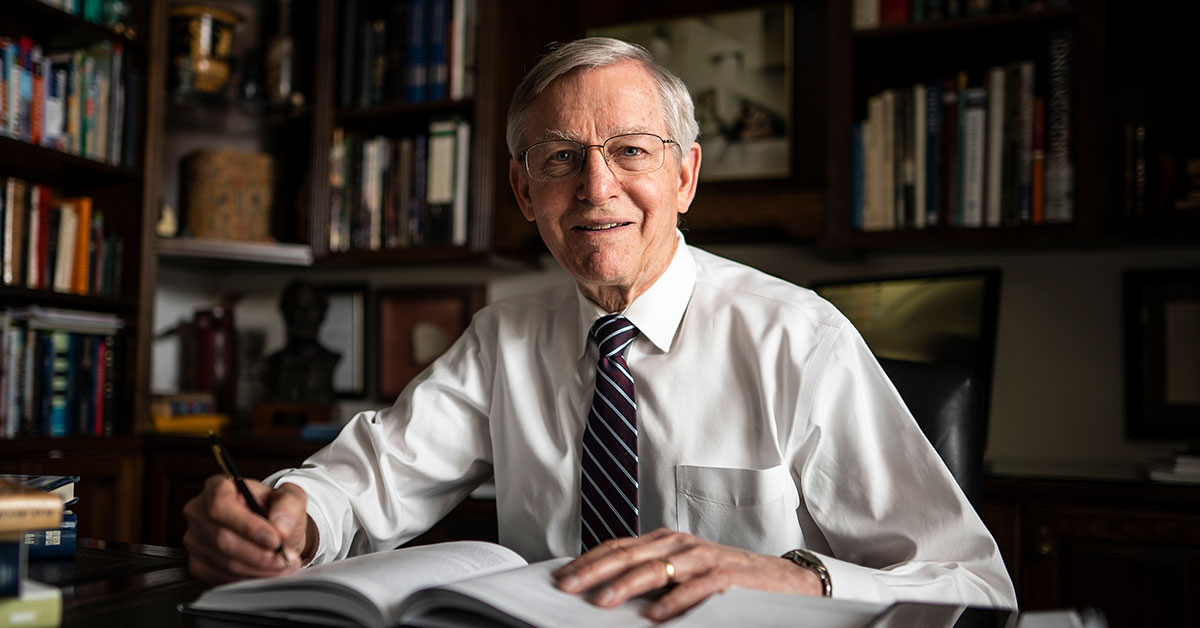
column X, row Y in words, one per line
column 528, row 597
column 367, row 588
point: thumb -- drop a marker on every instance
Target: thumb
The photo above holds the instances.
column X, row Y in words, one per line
column 287, row 510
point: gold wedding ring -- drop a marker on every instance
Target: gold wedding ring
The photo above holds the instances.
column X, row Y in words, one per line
column 669, row 567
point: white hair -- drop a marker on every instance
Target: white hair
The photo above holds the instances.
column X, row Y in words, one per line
column 679, row 114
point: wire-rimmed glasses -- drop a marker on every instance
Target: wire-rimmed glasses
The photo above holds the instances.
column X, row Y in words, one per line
column 630, row 153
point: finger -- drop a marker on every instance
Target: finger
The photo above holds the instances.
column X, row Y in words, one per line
column 647, row 576
column 612, row 549
column 221, row 507
column 287, row 509
column 624, row 558
column 688, row 594
column 211, row 562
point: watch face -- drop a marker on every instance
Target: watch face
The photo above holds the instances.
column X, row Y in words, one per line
column 907, row 614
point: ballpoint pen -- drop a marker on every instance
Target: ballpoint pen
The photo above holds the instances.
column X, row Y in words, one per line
column 231, row 470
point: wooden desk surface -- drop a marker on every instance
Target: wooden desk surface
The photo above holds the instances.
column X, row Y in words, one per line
column 123, row 585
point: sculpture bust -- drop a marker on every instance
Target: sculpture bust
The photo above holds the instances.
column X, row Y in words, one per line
column 302, row 371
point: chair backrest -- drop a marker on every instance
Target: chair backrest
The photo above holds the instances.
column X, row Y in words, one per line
column 948, row 403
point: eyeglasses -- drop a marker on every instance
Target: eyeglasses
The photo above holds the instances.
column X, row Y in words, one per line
column 631, row 153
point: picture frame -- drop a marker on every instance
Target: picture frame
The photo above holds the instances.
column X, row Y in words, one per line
column 1162, row 353
column 738, row 66
column 344, row 331
column 416, row 325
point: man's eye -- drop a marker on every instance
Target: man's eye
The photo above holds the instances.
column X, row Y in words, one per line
column 630, row 151
column 561, row 156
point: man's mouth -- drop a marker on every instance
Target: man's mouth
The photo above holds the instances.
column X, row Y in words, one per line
column 603, row 227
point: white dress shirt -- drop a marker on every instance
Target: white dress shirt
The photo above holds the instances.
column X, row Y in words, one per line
column 764, row 422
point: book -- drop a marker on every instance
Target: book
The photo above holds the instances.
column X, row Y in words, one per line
column 472, row 583
column 13, row 559
column 23, row 508
column 53, row 543
column 38, row 606
column 61, row 485
column 1059, row 162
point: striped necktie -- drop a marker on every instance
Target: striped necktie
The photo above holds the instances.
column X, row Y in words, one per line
column 609, row 477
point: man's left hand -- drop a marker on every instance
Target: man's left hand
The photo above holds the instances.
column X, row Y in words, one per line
column 620, row 569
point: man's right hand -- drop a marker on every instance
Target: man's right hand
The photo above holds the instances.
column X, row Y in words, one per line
column 226, row 541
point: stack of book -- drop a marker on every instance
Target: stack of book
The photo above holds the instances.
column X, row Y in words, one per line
column 1180, row 469
column 24, row 602
column 57, row 542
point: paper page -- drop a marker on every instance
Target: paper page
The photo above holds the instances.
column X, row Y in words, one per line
column 369, row 587
column 530, row 597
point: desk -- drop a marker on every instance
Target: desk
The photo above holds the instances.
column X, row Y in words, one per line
column 122, row 585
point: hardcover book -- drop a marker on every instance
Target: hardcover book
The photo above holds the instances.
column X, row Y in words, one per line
column 23, row 508
column 471, row 583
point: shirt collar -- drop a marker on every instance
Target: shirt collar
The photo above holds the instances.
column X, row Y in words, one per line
column 658, row 311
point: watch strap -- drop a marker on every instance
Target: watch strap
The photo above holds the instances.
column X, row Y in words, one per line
column 809, row 560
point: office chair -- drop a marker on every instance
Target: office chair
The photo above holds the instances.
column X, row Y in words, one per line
column 947, row 402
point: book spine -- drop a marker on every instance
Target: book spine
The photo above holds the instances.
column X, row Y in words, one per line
column 887, row 213
column 33, row 224
column 337, row 182
column 13, row 389
column 38, row 97
column 1037, row 191
column 13, row 107
column 1025, row 162
column 416, row 211
column 866, row 14
column 920, row 156
column 995, row 147
column 933, row 152
column 25, row 90
column 949, row 178
column 973, row 175
column 30, row 510
column 438, row 73
column 65, row 254
column 1009, row 188
column 110, row 378
column 116, row 112
column 416, row 63
column 13, row 558
column 4, row 44
column 1060, row 171
column 874, row 164
column 961, row 153
column 462, row 183
column 56, row 543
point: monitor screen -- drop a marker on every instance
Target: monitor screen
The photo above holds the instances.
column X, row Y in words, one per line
column 934, row 318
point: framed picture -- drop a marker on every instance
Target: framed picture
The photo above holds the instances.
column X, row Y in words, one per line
column 738, row 67
column 344, row 330
column 418, row 325
column 1162, row 354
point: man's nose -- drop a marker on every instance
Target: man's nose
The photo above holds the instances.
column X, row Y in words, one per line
column 598, row 183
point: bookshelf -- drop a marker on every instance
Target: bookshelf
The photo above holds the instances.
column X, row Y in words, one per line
column 120, row 188
column 894, row 57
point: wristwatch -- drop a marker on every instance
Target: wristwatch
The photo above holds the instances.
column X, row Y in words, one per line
column 809, row 560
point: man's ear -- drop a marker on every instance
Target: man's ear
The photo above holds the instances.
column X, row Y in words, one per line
column 520, row 188
column 689, row 174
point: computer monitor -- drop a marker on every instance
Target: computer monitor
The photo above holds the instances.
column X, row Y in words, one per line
column 944, row 318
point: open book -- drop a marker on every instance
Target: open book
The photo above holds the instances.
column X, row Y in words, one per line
column 469, row 583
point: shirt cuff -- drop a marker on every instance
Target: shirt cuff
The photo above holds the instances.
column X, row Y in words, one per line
column 855, row 582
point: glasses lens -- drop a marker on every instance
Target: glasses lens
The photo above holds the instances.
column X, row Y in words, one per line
column 553, row 160
column 634, row 153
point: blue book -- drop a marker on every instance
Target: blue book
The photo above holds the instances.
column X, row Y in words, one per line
column 13, row 559
column 56, row 543
column 438, row 75
column 416, row 68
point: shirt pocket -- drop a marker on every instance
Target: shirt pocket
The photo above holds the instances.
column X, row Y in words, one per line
column 754, row 509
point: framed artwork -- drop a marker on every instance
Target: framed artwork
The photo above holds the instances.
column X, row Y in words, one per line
column 344, row 331
column 738, row 67
column 418, row 325
column 1162, row 354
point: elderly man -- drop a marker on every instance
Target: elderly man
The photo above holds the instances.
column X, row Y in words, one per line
column 674, row 417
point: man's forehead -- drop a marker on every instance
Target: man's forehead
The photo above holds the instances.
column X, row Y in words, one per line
column 569, row 134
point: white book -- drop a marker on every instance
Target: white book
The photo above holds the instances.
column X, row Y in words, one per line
column 866, row 14
column 873, row 166
column 471, row 583
column 462, row 179
column 439, row 182
column 887, row 203
column 64, row 264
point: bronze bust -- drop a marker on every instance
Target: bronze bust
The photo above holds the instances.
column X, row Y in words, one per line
column 302, row 371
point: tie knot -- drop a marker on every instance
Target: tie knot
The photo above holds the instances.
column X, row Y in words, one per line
column 612, row 334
